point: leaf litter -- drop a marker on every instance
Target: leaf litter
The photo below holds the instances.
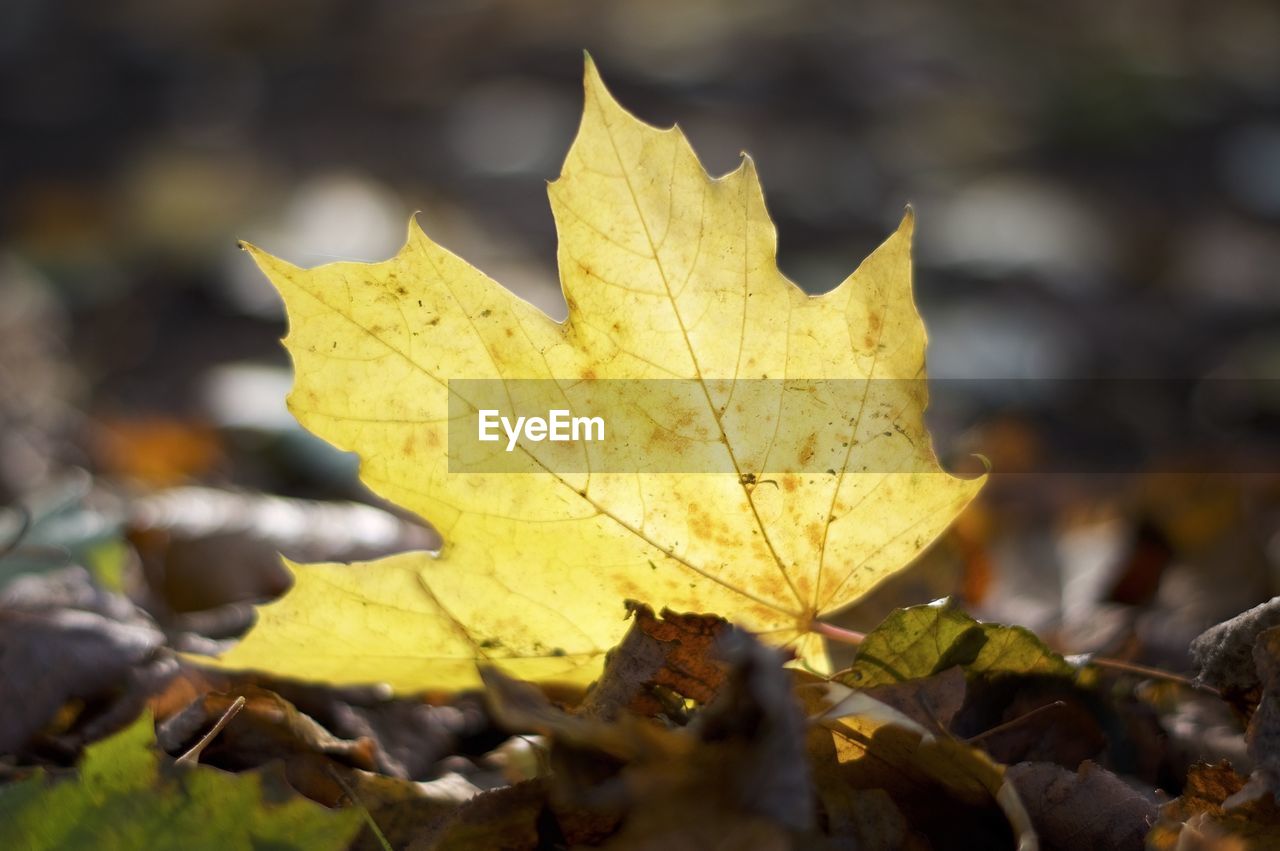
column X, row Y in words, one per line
column 671, row 729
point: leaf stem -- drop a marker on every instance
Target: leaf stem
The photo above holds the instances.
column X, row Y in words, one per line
column 192, row 756
column 836, row 633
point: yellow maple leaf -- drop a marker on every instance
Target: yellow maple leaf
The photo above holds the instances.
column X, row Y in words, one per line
column 668, row 274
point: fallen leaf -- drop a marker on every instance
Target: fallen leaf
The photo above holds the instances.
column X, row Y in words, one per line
column 1263, row 734
column 206, row 547
column 1203, row 819
column 127, row 795
column 658, row 656
column 932, row 702
column 505, row 818
column 268, row 727
column 868, row 818
column 155, row 451
column 400, row 809
column 48, row 658
column 668, row 274
column 411, row 734
column 1088, row 808
column 736, row 777
column 924, row 640
column 1223, row 654
column 314, row 759
column 948, row 790
column 1036, row 719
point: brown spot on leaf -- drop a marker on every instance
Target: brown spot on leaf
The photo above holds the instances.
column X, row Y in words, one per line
column 664, row 440
column 809, row 448
column 875, row 322
column 700, row 523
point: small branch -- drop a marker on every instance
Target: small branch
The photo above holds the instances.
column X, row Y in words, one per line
column 1000, row 728
column 1152, row 673
column 359, row 805
column 192, row 756
column 835, row 633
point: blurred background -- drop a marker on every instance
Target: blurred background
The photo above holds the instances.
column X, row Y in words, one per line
column 1097, row 188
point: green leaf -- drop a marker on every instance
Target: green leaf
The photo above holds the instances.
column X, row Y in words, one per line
column 923, row 640
column 128, row 795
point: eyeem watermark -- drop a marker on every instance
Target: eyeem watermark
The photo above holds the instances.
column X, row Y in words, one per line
column 558, row 426
column 759, row 428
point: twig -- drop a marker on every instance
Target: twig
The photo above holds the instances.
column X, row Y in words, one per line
column 1000, row 728
column 192, row 756
column 364, row 811
column 1152, row 673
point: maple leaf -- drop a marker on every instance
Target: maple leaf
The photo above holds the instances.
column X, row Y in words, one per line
column 668, row 274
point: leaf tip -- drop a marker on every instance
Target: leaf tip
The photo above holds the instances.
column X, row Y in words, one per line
column 249, row 248
column 597, row 91
column 908, row 224
column 414, row 230
column 591, row 79
column 271, row 265
column 291, row 567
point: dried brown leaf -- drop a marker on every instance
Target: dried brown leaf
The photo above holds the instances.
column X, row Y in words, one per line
column 1204, row 816
column 1088, row 808
column 672, row 652
column 1223, row 654
column 931, row 701
column 736, row 777
column 48, row 658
